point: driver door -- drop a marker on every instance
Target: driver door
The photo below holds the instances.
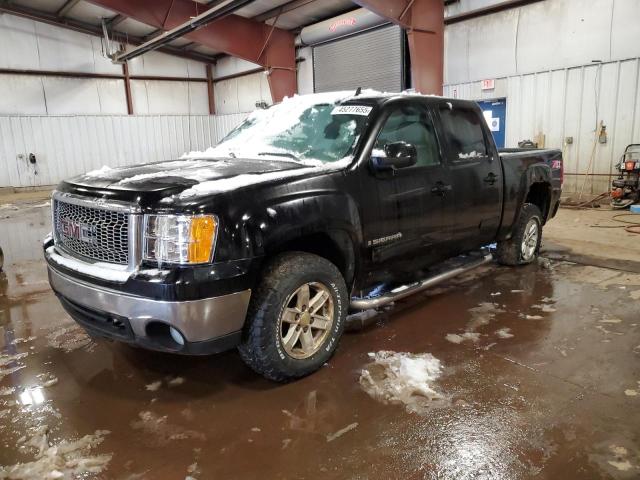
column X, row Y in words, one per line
column 412, row 229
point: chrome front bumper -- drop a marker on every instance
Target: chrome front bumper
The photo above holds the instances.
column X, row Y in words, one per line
column 201, row 320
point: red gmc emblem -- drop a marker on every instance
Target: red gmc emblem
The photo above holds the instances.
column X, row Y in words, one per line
column 78, row 231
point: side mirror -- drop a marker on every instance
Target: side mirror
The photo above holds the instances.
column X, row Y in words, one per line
column 395, row 155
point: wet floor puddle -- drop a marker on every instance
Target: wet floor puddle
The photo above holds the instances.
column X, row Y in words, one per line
column 503, row 373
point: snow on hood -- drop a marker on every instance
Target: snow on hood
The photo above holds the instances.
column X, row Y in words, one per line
column 188, row 169
column 244, row 180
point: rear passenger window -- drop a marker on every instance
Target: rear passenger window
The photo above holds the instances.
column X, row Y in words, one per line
column 463, row 131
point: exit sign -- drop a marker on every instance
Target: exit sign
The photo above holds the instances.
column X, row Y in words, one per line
column 488, row 84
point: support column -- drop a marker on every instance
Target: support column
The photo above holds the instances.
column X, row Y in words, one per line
column 212, row 100
column 424, row 23
column 127, row 88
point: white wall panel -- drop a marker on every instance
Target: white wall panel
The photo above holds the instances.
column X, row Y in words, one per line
column 159, row 97
column 546, row 35
column 65, row 96
column 69, row 145
column 625, row 36
column 571, row 102
column 19, row 43
column 29, row 45
column 241, row 94
column 66, row 50
column 21, row 94
column 305, row 70
column 495, row 36
column 463, row 6
column 161, row 64
column 232, row 66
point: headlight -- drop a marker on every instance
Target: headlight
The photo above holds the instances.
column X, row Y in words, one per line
column 183, row 239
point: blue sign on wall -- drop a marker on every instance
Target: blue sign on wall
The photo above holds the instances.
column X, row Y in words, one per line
column 495, row 112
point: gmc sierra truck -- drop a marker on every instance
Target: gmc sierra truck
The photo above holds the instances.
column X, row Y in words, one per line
column 317, row 206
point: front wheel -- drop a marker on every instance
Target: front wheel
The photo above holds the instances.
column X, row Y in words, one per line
column 296, row 317
column 524, row 245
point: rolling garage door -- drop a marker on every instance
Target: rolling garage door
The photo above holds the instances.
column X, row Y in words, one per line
column 372, row 59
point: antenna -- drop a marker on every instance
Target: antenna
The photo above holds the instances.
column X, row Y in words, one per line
column 358, row 90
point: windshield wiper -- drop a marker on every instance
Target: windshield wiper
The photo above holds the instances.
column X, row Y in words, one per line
column 279, row 154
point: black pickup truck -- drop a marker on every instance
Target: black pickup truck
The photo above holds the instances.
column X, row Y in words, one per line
column 320, row 205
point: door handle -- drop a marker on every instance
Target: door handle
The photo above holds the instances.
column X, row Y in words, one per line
column 491, row 178
column 440, row 189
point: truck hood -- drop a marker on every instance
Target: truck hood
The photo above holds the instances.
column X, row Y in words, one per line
column 176, row 176
column 186, row 183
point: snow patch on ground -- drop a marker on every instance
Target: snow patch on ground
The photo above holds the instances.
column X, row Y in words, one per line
column 175, row 381
column 17, row 341
column 331, row 437
column 7, row 391
column 606, row 318
column 482, row 315
column 47, row 379
column 545, row 308
column 621, row 461
column 403, row 379
column 161, row 430
column 459, row 338
column 504, row 333
column 70, row 338
column 66, row 459
column 11, row 363
column 153, row 386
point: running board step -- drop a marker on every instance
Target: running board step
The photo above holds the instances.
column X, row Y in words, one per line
column 407, row 290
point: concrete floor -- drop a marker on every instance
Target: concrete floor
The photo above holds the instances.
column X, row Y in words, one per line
column 540, row 377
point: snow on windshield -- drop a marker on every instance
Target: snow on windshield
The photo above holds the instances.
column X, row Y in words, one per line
column 306, row 129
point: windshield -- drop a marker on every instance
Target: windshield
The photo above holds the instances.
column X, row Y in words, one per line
column 298, row 130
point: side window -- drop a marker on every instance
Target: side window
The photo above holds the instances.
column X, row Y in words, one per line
column 463, row 131
column 411, row 125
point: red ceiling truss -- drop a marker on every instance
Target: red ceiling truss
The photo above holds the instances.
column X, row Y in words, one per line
column 267, row 46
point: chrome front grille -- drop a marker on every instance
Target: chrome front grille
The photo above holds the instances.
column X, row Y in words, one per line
column 93, row 233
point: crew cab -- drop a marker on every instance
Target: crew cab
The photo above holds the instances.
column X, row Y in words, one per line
column 311, row 208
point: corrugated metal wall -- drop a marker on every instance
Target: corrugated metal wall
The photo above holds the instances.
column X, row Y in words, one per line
column 69, row 145
column 570, row 103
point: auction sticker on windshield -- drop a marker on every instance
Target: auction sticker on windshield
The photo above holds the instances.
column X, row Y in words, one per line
column 351, row 110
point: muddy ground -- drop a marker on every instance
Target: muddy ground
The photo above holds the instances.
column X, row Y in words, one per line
column 505, row 373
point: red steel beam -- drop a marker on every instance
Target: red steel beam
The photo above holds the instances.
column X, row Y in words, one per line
column 127, row 88
column 210, row 94
column 234, row 35
column 424, row 22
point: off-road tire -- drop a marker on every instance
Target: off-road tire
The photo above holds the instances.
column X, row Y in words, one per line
column 261, row 347
column 509, row 252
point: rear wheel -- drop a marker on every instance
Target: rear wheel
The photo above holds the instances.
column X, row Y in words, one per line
column 524, row 245
column 296, row 317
